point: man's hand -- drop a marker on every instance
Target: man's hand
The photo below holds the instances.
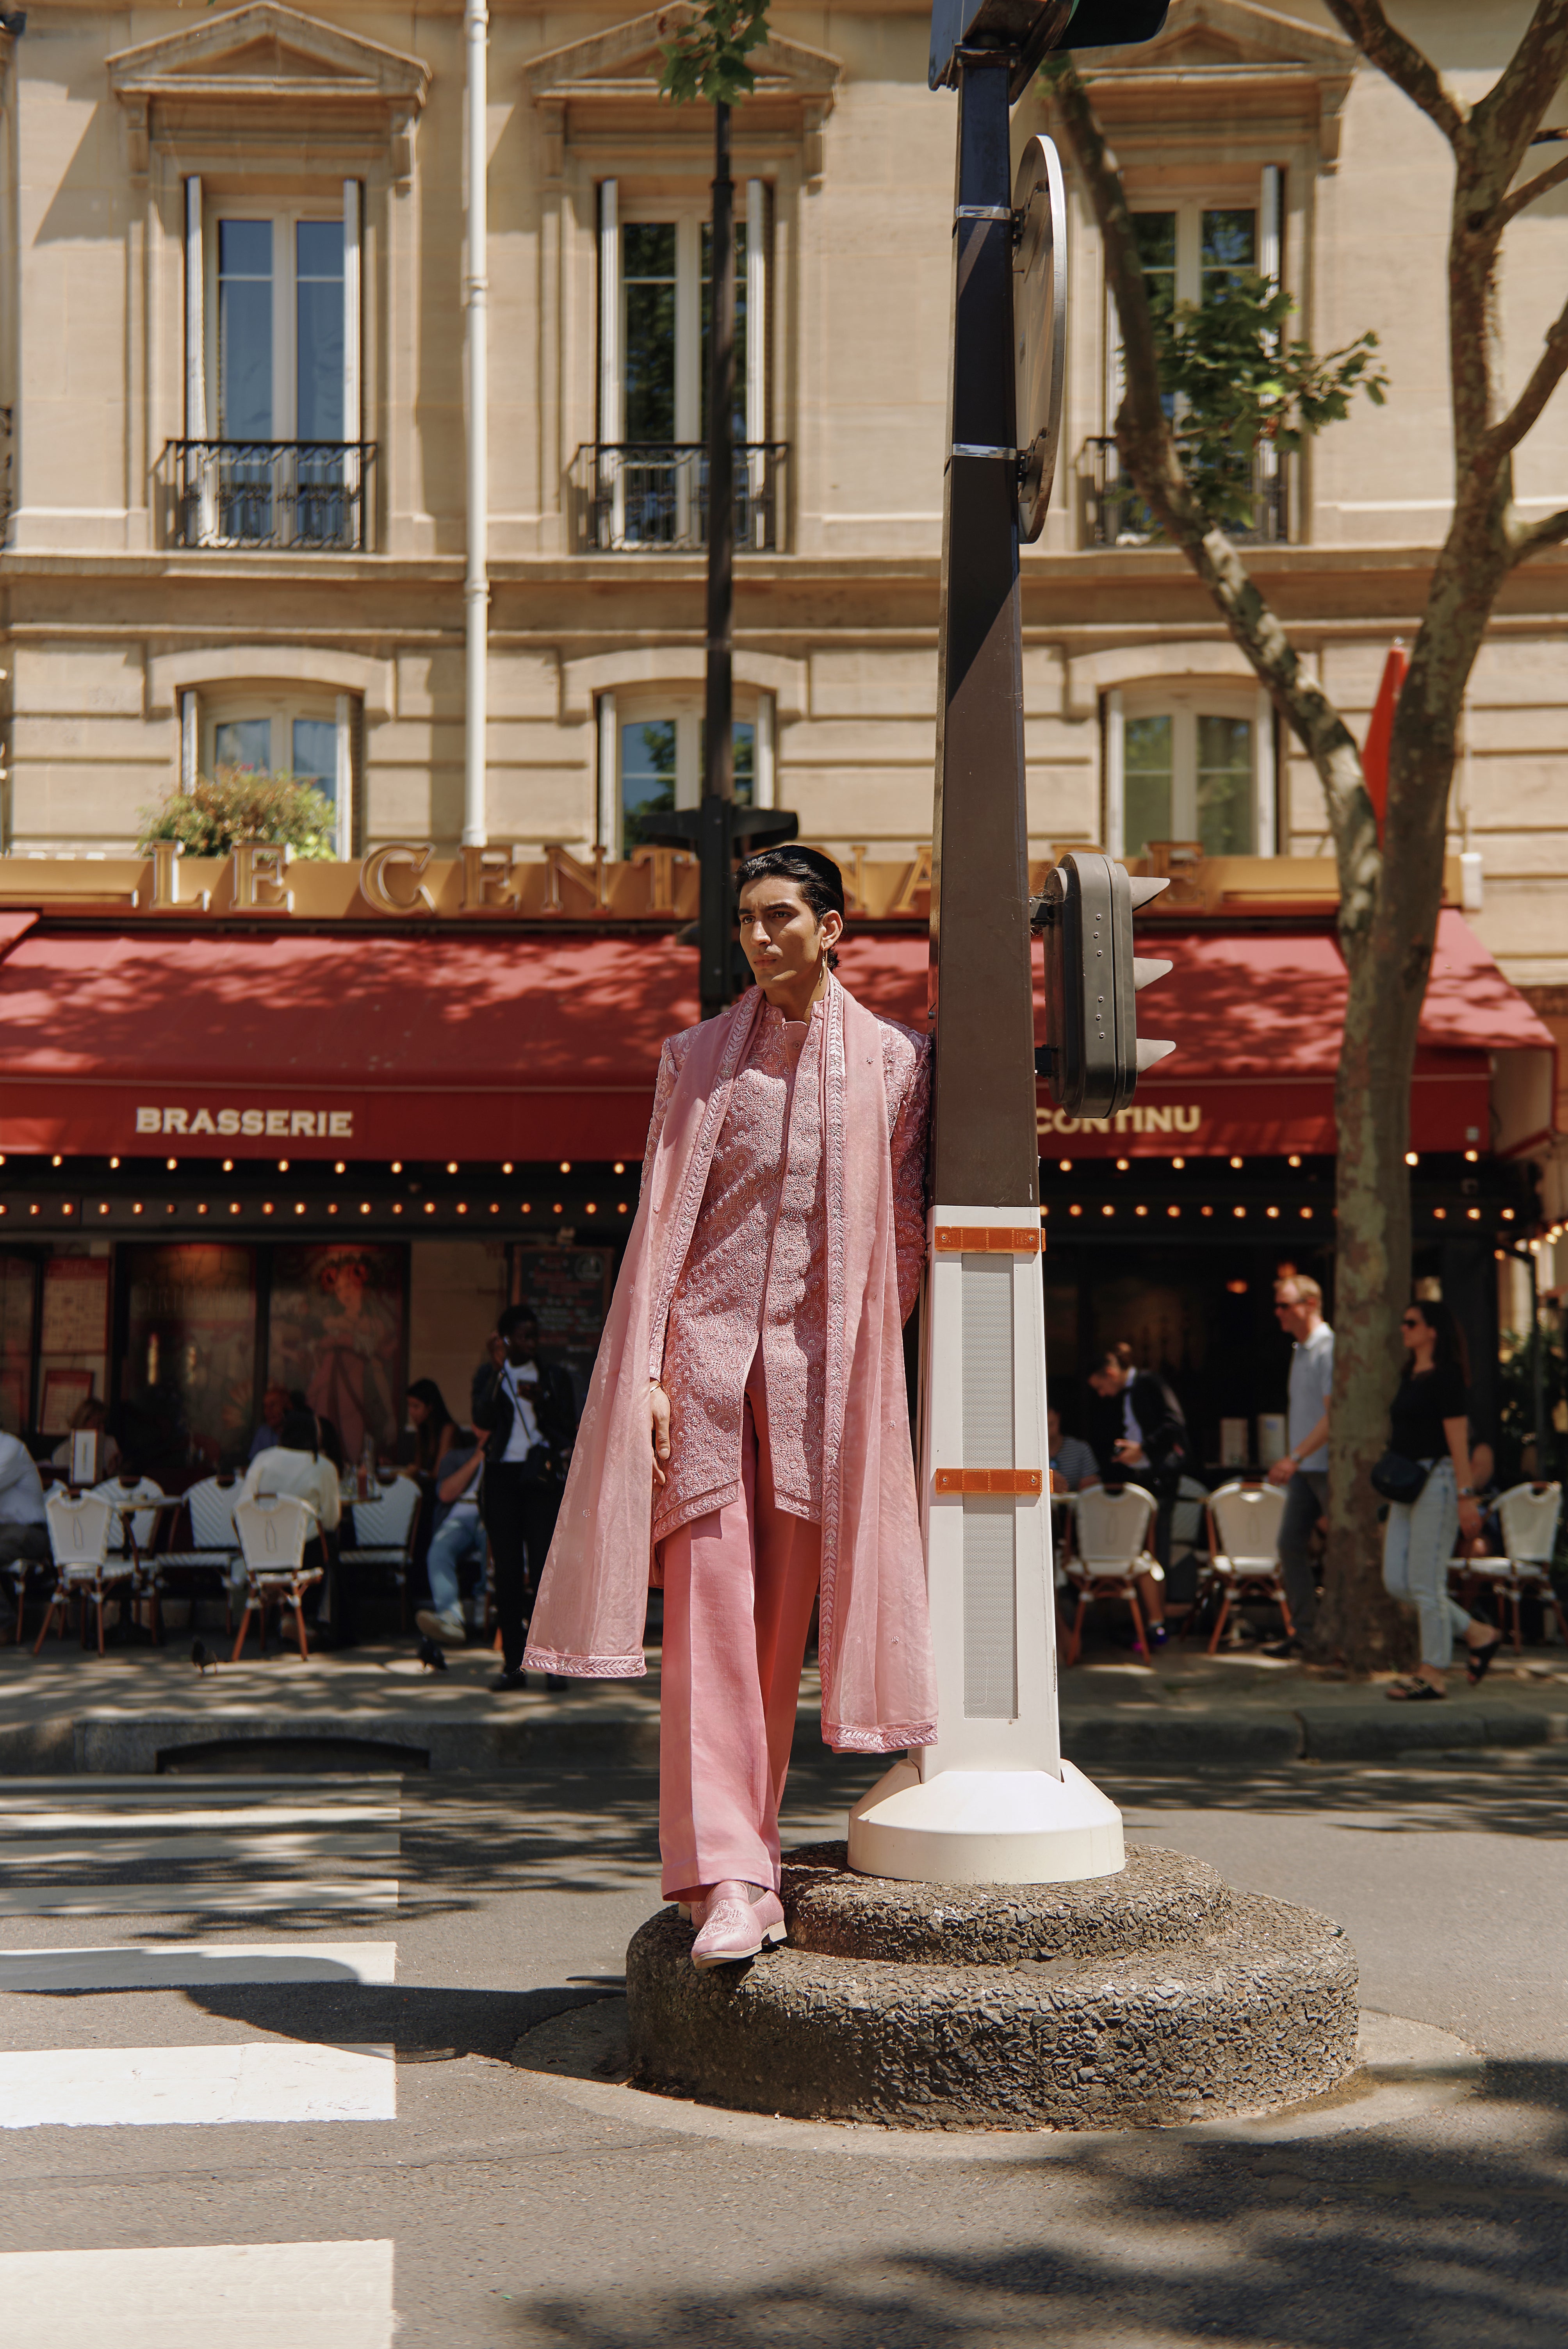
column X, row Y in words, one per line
column 495, row 1347
column 1283, row 1470
column 1469, row 1519
column 659, row 1429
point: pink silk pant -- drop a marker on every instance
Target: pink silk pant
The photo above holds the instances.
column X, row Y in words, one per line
column 739, row 1585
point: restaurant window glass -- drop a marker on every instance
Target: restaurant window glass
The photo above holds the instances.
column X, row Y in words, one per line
column 279, row 357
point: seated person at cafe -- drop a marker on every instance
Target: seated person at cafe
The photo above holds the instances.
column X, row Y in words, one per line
column 459, row 1539
column 274, row 1411
column 297, row 1464
column 90, row 1415
column 1071, row 1458
column 23, row 1528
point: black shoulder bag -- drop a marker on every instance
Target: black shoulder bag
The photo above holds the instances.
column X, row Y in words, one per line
column 1394, row 1478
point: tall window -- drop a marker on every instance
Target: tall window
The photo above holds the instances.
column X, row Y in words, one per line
column 308, row 735
column 667, row 311
column 279, row 355
column 661, row 763
column 273, row 334
column 1179, row 771
column 1192, row 253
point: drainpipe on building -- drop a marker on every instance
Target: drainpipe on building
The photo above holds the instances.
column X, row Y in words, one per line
column 476, row 293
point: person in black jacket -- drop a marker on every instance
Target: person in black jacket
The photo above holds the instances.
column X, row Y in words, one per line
column 1144, row 1442
column 527, row 1411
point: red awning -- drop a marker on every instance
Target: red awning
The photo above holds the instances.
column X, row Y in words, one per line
column 147, row 1041
column 1255, row 1015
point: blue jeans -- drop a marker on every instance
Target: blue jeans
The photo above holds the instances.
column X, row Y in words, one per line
column 1418, row 1546
column 460, row 1537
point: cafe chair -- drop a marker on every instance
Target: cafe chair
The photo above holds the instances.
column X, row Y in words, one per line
column 1109, row 1551
column 133, row 1529
column 384, row 1534
column 81, row 1527
column 272, row 1532
column 1528, row 1516
column 209, row 1554
column 1243, row 1551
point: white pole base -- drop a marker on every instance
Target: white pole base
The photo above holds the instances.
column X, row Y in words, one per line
column 985, row 1827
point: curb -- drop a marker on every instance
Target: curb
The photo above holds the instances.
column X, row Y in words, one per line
column 108, row 1744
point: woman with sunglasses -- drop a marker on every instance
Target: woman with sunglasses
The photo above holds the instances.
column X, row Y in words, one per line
column 1428, row 1422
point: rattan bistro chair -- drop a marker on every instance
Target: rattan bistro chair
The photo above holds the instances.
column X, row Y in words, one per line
column 1243, row 1550
column 81, row 1528
column 1110, row 1551
column 1529, row 1515
column 384, row 1534
column 273, row 1530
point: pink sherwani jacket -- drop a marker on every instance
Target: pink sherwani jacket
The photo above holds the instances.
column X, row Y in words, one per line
column 753, row 1288
column 867, row 1079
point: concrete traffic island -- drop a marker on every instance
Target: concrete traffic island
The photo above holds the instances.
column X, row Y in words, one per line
column 1144, row 2000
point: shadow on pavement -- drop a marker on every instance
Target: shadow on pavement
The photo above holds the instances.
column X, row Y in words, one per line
column 1345, row 2243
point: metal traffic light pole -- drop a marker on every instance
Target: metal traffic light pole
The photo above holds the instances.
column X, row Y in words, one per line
column 993, row 1800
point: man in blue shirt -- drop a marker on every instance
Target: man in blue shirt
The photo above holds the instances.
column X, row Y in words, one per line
column 1304, row 1470
column 1071, row 1458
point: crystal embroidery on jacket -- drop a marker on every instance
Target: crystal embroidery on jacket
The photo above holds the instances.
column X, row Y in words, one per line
column 753, row 1282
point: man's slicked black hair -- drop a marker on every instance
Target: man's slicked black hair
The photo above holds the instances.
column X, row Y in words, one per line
column 512, row 1316
column 816, row 875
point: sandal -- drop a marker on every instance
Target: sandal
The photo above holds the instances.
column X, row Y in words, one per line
column 1415, row 1692
column 1478, row 1662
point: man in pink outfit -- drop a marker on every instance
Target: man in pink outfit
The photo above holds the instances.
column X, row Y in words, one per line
column 777, row 1250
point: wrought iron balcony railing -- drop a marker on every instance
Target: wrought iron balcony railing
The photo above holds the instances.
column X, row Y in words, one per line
column 1116, row 515
column 313, row 494
column 650, row 497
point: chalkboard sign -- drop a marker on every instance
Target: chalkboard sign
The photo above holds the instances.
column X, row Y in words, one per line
column 569, row 1289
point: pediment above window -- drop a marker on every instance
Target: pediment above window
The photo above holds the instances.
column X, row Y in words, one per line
column 613, row 75
column 267, row 60
column 1227, row 59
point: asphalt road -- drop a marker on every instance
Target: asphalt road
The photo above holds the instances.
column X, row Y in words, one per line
column 350, row 2150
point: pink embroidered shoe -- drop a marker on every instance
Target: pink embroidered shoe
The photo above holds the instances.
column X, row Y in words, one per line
column 734, row 1930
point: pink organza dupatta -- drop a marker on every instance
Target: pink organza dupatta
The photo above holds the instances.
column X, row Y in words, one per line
column 878, row 1679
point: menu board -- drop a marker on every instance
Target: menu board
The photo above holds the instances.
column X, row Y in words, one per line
column 76, row 1305
column 569, row 1289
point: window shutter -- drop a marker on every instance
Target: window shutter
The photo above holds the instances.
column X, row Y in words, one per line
column 1115, row 775
column 766, row 770
column 1269, row 266
column 195, row 317
column 756, row 310
column 190, row 741
column 609, row 824
column 1266, row 842
column 352, row 398
column 344, row 842
column 611, row 399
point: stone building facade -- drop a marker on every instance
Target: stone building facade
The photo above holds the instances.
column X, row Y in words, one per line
column 235, row 254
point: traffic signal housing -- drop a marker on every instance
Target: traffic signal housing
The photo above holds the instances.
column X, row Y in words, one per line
column 1031, row 29
column 1093, row 1056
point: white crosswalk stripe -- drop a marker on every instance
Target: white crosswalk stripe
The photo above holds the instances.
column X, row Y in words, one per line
column 245, row 2295
column 210, row 1848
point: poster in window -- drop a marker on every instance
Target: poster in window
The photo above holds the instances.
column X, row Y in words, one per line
column 65, row 1391
column 336, row 1336
column 569, row 1289
column 186, row 1383
column 76, row 1305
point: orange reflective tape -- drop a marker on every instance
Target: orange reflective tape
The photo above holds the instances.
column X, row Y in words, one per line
column 987, row 1239
column 1009, row 1481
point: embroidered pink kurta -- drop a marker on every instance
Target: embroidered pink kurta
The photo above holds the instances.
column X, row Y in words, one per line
column 754, row 1283
column 879, row 1677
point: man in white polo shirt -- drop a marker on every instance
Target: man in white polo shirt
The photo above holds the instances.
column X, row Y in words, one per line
column 1304, row 1470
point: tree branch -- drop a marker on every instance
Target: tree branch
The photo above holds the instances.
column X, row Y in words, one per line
column 1405, row 65
column 1506, row 434
column 1552, row 532
column 1514, row 106
column 1149, row 447
column 1532, row 192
